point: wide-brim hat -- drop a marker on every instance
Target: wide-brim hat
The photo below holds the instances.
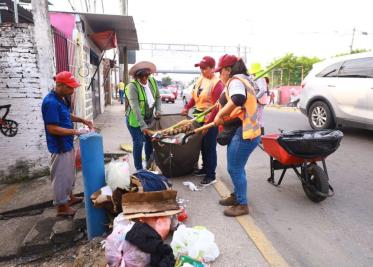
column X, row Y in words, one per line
column 150, row 204
column 141, row 66
column 255, row 68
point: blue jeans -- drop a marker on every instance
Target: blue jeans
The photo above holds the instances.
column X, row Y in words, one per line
column 238, row 153
column 121, row 96
column 138, row 139
column 208, row 149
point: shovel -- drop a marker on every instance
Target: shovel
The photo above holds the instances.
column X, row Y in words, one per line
column 159, row 135
column 197, row 130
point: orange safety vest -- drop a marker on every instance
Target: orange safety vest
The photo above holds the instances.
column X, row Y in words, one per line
column 248, row 113
column 204, row 100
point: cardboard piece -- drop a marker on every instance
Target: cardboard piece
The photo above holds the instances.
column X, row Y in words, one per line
column 150, row 204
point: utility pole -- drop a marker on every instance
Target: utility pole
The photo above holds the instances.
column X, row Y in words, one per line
column 15, row 5
column 44, row 44
column 124, row 4
column 352, row 41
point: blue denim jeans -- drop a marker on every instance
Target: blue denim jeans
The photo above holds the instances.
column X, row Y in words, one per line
column 238, row 153
column 138, row 139
column 121, row 96
column 208, row 149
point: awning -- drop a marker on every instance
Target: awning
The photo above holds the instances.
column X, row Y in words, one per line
column 123, row 26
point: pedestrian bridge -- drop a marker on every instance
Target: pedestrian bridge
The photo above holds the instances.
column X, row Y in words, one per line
column 195, row 71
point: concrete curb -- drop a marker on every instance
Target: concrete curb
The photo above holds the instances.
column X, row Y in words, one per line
column 282, row 108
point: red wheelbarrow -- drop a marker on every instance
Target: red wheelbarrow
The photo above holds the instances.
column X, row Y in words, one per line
column 300, row 151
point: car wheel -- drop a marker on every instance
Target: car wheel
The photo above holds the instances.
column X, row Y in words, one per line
column 320, row 116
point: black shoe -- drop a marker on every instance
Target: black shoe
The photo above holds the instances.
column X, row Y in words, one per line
column 200, row 172
column 207, row 181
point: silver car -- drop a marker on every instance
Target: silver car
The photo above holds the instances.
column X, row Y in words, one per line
column 339, row 92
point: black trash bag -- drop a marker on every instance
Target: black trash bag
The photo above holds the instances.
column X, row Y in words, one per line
column 311, row 143
column 176, row 160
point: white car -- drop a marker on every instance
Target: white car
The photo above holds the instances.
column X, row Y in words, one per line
column 187, row 93
column 339, row 92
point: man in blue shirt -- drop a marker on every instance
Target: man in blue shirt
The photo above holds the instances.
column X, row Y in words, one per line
column 59, row 129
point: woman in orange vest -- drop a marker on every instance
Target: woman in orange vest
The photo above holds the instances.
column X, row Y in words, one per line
column 238, row 112
column 206, row 92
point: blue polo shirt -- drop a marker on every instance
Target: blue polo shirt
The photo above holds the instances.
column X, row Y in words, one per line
column 56, row 111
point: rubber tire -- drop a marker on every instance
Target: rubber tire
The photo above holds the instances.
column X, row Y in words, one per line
column 320, row 182
column 329, row 124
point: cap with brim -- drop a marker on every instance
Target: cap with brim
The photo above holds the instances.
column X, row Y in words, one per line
column 206, row 62
column 67, row 78
column 226, row 61
column 150, row 204
column 142, row 65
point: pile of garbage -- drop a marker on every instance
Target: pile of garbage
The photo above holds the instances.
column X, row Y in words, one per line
column 147, row 213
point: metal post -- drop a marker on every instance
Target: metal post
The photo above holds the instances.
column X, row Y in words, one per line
column 273, row 76
column 125, row 66
column 15, row 2
column 352, row 41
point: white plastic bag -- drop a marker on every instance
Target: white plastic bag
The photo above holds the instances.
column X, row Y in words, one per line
column 117, row 175
column 119, row 252
column 197, row 243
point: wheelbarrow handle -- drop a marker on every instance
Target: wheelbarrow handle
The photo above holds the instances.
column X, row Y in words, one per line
column 197, row 130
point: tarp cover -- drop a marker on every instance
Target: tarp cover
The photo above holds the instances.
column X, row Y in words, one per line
column 176, row 160
column 104, row 40
column 311, row 143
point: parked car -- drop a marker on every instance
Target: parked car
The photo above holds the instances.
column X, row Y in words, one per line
column 173, row 90
column 339, row 92
column 187, row 93
column 166, row 95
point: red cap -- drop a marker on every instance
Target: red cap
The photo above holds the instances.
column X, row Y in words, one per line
column 67, row 78
column 226, row 61
column 206, row 62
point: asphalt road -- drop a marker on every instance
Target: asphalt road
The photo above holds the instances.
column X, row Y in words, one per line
column 335, row 232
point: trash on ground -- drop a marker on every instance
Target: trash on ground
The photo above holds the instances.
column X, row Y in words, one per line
column 118, row 251
column 186, row 261
column 191, row 185
column 197, row 243
column 117, row 174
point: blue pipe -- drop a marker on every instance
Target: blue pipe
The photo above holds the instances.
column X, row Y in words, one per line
column 92, row 156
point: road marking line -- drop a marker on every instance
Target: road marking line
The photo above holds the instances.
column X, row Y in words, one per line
column 265, row 246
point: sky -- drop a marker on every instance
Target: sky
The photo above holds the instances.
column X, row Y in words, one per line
column 269, row 29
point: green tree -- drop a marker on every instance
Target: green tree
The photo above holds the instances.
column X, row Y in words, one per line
column 355, row 51
column 166, row 81
column 292, row 69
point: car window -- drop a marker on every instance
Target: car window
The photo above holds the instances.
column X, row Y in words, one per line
column 357, row 68
column 330, row 71
column 165, row 91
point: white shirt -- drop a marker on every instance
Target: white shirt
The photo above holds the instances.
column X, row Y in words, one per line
column 236, row 87
column 149, row 96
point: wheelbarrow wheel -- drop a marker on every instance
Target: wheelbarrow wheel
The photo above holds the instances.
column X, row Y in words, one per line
column 318, row 183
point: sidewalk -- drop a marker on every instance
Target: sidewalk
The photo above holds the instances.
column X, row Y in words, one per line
column 236, row 248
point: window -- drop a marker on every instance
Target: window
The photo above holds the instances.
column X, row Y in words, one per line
column 357, row 68
column 330, row 71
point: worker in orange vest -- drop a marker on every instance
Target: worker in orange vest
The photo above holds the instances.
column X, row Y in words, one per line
column 238, row 107
column 206, row 92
